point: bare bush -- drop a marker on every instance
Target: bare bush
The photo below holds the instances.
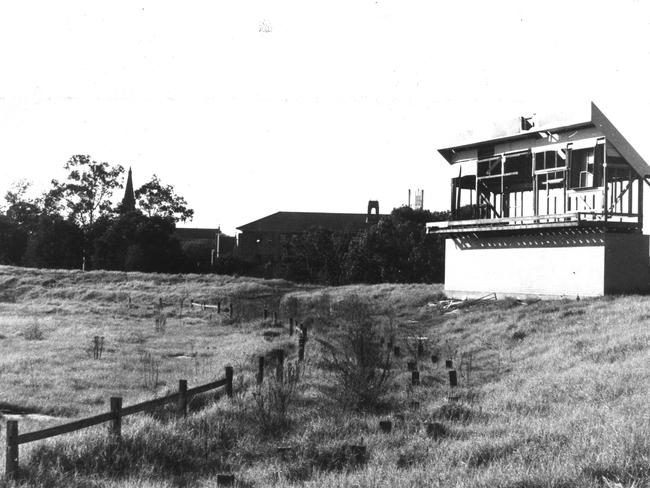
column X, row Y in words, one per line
column 362, row 365
column 150, row 370
column 273, row 400
column 160, row 322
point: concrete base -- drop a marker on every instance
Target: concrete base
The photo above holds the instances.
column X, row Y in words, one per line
column 547, row 264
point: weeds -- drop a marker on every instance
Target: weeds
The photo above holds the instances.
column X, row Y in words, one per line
column 150, row 370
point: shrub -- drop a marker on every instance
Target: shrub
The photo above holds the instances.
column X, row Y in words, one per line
column 33, row 332
column 273, row 400
column 359, row 361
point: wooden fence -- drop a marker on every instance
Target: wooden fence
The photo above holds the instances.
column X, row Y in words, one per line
column 14, row 439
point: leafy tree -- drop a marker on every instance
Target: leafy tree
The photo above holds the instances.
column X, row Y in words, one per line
column 135, row 242
column 87, row 191
column 13, row 241
column 156, row 199
column 397, row 249
column 317, row 256
column 54, row 243
column 20, row 208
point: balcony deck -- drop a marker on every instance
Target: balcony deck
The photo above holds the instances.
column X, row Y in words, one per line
column 592, row 220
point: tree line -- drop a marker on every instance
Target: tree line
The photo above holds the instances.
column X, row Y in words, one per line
column 75, row 224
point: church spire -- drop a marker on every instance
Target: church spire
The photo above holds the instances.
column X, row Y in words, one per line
column 128, row 202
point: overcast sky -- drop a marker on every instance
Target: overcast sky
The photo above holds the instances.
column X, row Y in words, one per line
column 249, row 108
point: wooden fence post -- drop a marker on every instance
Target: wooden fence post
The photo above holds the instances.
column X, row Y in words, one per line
column 260, row 370
column 219, row 306
column 290, row 326
column 415, row 378
column 11, row 463
column 301, row 343
column 115, row 427
column 181, row 410
column 229, row 375
column 453, row 380
column 231, row 311
column 266, row 314
column 279, row 366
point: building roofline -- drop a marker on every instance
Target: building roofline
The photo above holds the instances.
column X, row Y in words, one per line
column 252, row 225
column 597, row 119
column 448, row 151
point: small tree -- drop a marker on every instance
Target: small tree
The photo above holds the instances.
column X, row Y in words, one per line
column 357, row 357
column 156, row 199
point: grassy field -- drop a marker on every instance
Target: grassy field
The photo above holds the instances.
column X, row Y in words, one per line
column 556, row 394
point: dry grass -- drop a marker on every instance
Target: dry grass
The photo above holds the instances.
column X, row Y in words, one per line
column 558, row 392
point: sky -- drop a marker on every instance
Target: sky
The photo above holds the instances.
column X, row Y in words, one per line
column 248, row 108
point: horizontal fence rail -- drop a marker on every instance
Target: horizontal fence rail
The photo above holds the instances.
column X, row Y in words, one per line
column 14, row 439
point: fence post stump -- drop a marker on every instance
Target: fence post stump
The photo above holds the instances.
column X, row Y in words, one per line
column 231, row 311
column 181, row 408
column 266, row 314
column 290, row 326
column 226, row 479
column 275, row 318
column 229, row 375
column 449, row 364
column 420, row 348
column 219, row 306
column 385, row 426
column 396, row 351
column 11, row 463
column 453, row 380
column 115, row 427
column 260, row 370
column 415, row 378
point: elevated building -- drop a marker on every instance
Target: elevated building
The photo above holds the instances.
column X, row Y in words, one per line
column 556, row 211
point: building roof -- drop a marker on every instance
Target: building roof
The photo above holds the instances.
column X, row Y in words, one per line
column 296, row 222
column 597, row 119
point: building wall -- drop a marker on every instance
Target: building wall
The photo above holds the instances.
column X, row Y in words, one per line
column 545, row 264
column 626, row 263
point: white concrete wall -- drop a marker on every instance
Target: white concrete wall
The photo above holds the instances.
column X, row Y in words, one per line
column 555, row 265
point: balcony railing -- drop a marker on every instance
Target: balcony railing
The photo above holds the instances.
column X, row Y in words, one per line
column 564, row 220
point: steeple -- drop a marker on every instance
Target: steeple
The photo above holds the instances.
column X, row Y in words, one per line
column 128, row 202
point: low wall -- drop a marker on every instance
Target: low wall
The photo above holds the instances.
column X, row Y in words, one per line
column 547, row 264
